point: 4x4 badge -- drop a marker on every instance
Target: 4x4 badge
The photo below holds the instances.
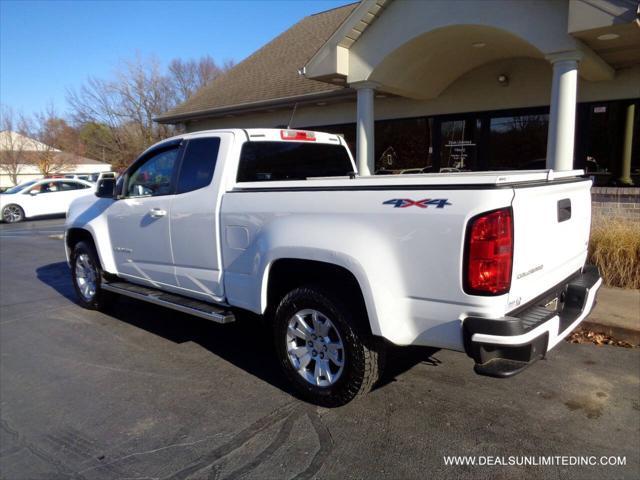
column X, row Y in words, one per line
column 407, row 202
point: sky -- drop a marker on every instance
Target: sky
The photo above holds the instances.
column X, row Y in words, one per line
column 47, row 47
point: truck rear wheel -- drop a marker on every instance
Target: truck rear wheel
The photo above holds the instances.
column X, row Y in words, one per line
column 327, row 358
column 86, row 273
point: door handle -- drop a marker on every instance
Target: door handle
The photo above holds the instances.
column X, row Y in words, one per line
column 157, row 212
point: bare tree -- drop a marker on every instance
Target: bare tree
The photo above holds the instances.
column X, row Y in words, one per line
column 46, row 129
column 97, row 108
column 13, row 143
column 125, row 107
column 63, row 136
column 115, row 117
column 189, row 76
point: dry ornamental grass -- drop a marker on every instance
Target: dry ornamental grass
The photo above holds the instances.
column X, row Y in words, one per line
column 615, row 248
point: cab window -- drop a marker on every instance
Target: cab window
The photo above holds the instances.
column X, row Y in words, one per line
column 265, row 161
column 153, row 177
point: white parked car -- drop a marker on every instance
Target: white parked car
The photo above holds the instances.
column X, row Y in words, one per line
column 276, row 222
column 49, row 196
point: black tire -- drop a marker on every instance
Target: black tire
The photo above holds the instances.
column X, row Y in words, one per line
column 363, row 356
column 101, row 299
column 12, row 213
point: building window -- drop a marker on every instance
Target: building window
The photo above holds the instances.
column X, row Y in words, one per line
column 518, row 142
column 502, row 140
column 403, row 146
column 601, row 137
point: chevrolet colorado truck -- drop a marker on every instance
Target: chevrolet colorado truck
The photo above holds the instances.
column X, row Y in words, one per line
column 277, row 223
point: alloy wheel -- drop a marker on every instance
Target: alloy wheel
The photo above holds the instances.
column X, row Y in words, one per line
column 11, row 214
column 86, row 276
column 315, row 348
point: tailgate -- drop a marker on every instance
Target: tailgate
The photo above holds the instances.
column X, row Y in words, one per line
column 551, row 236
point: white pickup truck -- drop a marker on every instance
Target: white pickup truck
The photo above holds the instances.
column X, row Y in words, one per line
column 277, row 222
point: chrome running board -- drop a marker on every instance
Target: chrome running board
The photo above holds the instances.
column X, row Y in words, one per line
column 215, row 313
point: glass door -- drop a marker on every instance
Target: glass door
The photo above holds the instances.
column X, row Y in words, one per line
column 459, row 144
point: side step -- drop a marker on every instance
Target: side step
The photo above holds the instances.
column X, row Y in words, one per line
column 206, row 310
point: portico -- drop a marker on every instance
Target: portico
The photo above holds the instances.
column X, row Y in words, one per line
column 416, row 50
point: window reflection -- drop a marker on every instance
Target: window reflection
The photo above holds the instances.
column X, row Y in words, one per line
column 518, row 142
column 403, row 146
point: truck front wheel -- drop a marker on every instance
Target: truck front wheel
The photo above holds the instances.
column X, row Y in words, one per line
column 327, row 358
column 86, row 273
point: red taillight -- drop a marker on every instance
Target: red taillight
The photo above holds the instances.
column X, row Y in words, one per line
column 298, row 135
column 489, row 253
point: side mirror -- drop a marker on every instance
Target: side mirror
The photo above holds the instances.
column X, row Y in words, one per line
column 106, row 188
column 33, row 193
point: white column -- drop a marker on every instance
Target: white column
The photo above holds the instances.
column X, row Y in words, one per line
column 365, row 141
column 625, row 174
column 562, row 111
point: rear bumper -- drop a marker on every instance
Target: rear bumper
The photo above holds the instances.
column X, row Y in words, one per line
column 502, row 347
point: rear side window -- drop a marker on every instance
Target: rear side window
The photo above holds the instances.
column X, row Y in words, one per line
column 198, row 164
column 72, row 186
column 264, row 161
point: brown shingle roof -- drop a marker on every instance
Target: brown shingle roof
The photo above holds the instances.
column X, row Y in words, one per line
column 271, row 72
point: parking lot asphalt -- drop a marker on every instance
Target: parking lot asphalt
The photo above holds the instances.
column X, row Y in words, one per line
column 143, row 392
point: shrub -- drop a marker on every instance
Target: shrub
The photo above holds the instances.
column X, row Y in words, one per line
column 615, row 248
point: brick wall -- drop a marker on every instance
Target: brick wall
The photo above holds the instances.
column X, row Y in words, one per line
column 616, row 202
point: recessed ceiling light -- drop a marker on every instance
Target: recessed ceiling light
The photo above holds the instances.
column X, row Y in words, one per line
column 478, row 45
column 608, row 36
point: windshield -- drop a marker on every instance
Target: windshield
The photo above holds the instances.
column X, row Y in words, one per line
column 20, row 187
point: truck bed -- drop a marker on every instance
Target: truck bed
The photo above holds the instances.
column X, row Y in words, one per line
column 431, row 180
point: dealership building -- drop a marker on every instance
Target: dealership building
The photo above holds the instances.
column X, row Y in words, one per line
column 437, row 86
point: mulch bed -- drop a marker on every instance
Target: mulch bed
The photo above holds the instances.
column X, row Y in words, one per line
column 583, row 335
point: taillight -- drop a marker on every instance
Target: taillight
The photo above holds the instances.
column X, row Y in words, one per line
column 298, row 135
column 489, row 253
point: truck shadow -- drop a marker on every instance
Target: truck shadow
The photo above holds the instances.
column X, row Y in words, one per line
column 57, row 276
column 246, row 343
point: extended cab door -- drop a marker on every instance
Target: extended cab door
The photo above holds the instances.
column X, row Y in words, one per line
column 139, row 219
column 194, row 217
